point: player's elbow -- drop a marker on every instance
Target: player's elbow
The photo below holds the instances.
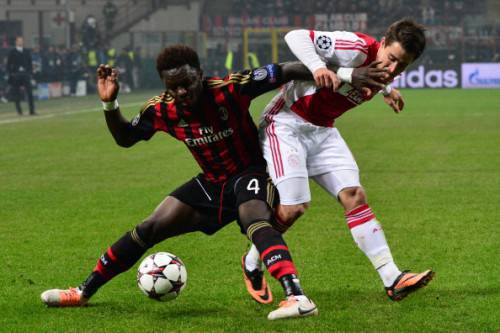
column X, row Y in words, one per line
column 123, row 141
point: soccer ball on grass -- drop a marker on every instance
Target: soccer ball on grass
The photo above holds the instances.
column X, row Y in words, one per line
column 162, row 276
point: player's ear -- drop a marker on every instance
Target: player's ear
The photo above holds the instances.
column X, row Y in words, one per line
column 382, row 42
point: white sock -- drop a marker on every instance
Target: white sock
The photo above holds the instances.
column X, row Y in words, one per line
column 370, row 238
column 252, row 259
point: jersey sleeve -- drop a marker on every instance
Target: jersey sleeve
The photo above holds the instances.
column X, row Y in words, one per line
column 142, row 125
column 255, row 82
column 316, row 49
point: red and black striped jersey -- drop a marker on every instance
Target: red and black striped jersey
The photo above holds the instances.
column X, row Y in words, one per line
column 220, row 134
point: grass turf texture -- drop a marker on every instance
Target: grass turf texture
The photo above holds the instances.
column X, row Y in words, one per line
column 432, row 176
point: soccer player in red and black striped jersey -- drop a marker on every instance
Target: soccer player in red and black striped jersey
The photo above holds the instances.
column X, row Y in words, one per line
column 211, row 116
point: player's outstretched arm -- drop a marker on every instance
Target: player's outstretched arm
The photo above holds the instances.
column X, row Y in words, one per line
column 295, row 70
column 108, row 88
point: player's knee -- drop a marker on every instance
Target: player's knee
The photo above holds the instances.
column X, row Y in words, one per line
column 286, row 215
column 145, row 232
column 153, row 230
column 290, row 213
column 352, row 197
column 253, row 210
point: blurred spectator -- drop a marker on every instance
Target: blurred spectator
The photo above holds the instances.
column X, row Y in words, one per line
column 125, row 65
column 89, row 32
column 110, row 54
column 20, row 69
column 3, row 78
column 109, row 11
column 37, row 64
column 52, row 65
column 74, row 68
column 135, row 56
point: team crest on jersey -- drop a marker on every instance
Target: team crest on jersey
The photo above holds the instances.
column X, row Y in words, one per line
column 324, row 42
column 136, row 119
column 182, row 123
column 259, row 74
column 223, row 113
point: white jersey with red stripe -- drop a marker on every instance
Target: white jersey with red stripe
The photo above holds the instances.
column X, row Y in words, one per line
column 317, row 49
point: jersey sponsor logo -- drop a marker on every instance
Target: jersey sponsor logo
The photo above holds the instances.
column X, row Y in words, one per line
column 259, row 74
column 271, row 71
column 351, row 93
column 324, row 42
column 208, row 136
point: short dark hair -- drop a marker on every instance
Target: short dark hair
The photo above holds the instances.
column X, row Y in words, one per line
column 175, row 56
column 409, row 34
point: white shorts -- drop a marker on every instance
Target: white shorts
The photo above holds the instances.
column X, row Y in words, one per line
column 296, row 150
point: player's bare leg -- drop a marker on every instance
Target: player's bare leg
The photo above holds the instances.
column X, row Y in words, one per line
column 369, row 236
column 170, row 218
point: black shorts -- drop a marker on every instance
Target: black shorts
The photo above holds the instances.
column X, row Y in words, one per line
column 219, row 202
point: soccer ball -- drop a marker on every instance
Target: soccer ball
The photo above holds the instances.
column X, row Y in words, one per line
column 162, row 276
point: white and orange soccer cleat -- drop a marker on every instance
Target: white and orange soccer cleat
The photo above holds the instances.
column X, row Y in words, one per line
column 408, row 282
column 63, row 297
column 294, row 306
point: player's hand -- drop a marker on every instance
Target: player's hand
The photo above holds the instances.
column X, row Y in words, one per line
column 107, row 83
column 369, row 77
column 395, row 100
column 326, row 78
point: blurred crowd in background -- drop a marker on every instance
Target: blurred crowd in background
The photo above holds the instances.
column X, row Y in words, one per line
column 456, row 33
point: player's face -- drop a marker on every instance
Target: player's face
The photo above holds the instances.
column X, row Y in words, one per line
column 184, row 84
column 394, row 58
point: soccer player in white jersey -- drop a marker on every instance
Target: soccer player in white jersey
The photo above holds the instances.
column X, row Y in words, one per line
column 300, row 141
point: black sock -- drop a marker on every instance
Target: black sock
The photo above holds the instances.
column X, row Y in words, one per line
column 272, row 248
column 291, row 285
column 122, row 255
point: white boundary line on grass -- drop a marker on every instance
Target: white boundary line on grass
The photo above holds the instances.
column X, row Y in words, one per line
column 51, row 115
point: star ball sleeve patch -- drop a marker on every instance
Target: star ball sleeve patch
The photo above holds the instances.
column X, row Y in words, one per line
column 324, row 42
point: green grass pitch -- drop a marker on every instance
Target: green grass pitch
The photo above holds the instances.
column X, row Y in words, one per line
column 432, row 176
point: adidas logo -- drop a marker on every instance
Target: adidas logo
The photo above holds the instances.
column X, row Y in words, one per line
column 182, row 123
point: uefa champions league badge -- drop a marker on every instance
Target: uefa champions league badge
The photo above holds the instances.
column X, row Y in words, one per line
column 259, row 74
column 324, row 42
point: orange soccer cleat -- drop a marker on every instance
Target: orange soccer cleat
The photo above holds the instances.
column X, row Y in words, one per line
column 63, row 298
column 408, row 282
column 256, row 284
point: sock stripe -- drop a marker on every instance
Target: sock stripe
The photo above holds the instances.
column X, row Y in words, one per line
column 99, row 268
column 359, row 215
column 357, row 209
column 272, row 248
column 137, row 239
column 256, row 226
column 281, row 268
column 115, row 260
